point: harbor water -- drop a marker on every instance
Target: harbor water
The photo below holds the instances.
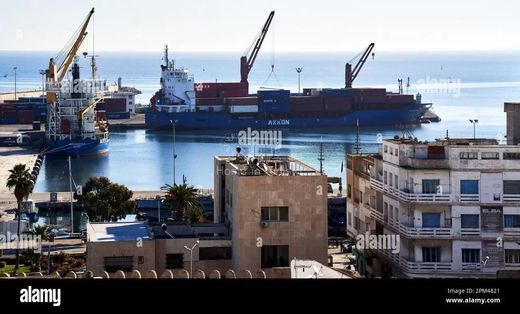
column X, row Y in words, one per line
column 461, row 86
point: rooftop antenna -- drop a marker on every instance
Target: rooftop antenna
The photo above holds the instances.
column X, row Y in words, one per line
column 357, row 144
column 321, row 158
column 166, row 59
column 408, row 85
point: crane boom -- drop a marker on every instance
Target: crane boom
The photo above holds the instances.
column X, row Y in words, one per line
column 81, row 114
column 351, row 74
column 246, row 63
column 57, row 75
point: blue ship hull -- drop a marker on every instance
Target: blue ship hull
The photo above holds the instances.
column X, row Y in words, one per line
column 409, row 114
column 77, row 148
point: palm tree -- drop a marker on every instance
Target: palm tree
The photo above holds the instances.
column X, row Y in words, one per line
column 45, row 234
column 183, row 201
column 22, row 182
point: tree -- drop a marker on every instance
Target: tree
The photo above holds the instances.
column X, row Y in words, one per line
column 22, row 182
column 45, row 234
column 106, row 201
column 184, row 202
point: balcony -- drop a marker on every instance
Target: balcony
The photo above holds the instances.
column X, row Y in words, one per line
column 471, row 266
column 412, row 266
column 409, row 197
column 469, row 198
column 428, row 163
column 470, row 232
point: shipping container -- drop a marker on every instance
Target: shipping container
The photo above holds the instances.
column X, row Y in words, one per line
column 370, row 99
column 32, row 99
column 399, row 99
column 25, row 116
column 101, row 106
column 37, row 125
column 6, row 107
column 335, row 103
column 243, row 108
column 252, row 100
column 307, row 91
column 101, row 115
column 115, row 104
column 210, row 101
column 8, row 120
column 274, row 100
column 205, row 90
column 118, row 115
column 373, row 91
column 8, row 114
column 338, row 92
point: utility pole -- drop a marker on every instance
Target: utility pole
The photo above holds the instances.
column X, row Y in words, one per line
column 474, row 122
column 15, row 68
column 321, row 158
column 174, row 151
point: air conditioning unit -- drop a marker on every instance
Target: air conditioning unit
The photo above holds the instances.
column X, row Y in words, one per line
column 264, row 224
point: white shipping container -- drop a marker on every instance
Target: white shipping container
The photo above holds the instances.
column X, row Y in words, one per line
column 243, row 108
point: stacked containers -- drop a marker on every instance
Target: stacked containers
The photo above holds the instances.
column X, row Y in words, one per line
column 338, row 100
column 306, row 104
column 274, row 100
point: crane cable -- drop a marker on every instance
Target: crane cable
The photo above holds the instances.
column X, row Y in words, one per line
column 272, row 73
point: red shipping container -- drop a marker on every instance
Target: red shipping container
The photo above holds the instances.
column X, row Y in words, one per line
column 101, row 115
column 25, row 116
column 373, row 91
column 210, row 101
column 205, row 90
column 252, row 100
column 373, row 99
column 115, row 104
column 400, row 99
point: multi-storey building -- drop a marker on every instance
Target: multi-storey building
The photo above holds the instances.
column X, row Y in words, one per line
column 454, row 203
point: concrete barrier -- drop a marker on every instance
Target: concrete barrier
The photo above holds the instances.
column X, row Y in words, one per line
column 167, row 274
column 55, row 274
column 119, row 275
column 215, row 274
column 71, row 274
column 183, row 274
column 152, row 274
column 230, row 274
column 199, row 274
column 4, row 275
column 247, row 274
column 135, row 274
column 104, row 275
column 261, row 274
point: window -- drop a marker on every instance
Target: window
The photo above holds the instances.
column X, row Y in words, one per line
column 511, row 186
column 468, row 186
column 430, row 186
column 396, row 181
column 275, row 256
column 511, row 221
column 490, row 155
column 386, row 149
column 431, row 254
column 357, row 223
column 396, row 214
column 390, row 179
column 471, row 255
column 468, row 155
column 140, row 260
column 275, row 213
column 391, row 212
column 396, row 152
column 349, row 219
column 511, row 156
column 349, row 191
column 431, row 220
column 512, row 256
column 469, row 221
column 214, row 253
column 174, row 261
column 115, row 263
column 385, row 176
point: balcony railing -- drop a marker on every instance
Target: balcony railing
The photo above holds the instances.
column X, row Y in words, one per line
column 468, row 232
column 512, row 232
column 470, row 266
column 410, row 197
column 511, row 198
column 469, row 198
column 412, row 266
column 512, row 265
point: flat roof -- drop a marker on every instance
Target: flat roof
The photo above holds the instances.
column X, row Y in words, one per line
column 268, row 166
column 117, row 231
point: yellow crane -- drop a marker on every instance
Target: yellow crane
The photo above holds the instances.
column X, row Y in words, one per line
column 55, row 74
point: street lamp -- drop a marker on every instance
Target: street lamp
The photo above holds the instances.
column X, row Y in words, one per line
column 15, row 68
column 474, row 121
column 42, row 73
column 174, row 122
column 299, row 71
column 191, row 256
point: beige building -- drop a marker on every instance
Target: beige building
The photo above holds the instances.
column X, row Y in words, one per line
column 267, row 212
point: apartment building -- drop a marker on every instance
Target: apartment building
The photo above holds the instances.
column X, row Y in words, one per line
column 454, row 203
column 267, row 211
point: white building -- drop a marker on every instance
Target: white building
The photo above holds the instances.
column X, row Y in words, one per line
column 454, row 203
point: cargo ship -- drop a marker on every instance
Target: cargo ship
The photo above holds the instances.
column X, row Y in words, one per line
column 211, row 106
column 74, row 126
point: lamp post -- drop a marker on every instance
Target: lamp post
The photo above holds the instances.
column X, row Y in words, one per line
column 15, row 68
column 474, row 122
column 174, row 122
column 42, row 73
column 299, row 71
column 191, row 256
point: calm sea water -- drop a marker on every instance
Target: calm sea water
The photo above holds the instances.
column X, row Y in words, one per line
column 462, row 86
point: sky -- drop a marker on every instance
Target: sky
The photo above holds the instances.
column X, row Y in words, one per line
column 231, row 25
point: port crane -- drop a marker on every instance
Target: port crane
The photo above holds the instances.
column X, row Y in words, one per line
column 247, row 62
column 351, row 74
